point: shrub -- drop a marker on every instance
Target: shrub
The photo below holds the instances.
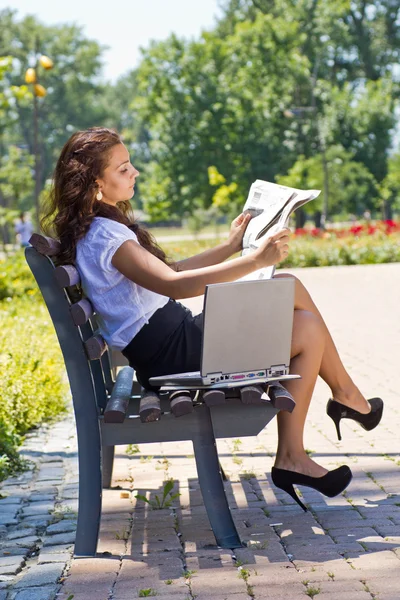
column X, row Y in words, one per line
column 306, row 252
column 16, row 279
column 310, row 251
column 33, row 385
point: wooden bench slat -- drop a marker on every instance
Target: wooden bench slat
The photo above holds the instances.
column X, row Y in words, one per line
column 95, row 347
column 214, row 397
column 45, row 245
column 67, row 275
column 81, row 311
column 117, row 405
column 150, row 407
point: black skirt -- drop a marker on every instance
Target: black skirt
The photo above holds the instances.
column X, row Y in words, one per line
column 169, row 343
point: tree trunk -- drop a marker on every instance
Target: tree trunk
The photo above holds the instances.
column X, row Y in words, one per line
column 387, row 210
column 300, row 218
column 317, row 218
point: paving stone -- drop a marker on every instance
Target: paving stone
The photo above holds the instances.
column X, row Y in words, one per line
column 354, row 596
column 68, row 506
column 38, row 508
column 69, row 495
column 58, row 548
column 60, row 557
column 208, row 596
column 50, row 474
column 10, row 500
column 11, row 569
column 37, row 521
column 12, row 551
column 44, row 489
column 97, row 573
column 45, row 593
column 40, row 575
column 27, row 542
column 54, row 464
column 42, row 497
column 59, row 538
column 21, row 532
column 63, row 526
column 8, row 520
column 11, row 560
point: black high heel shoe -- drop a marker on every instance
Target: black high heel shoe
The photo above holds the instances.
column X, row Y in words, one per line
column 331, row 484
column 369, row 421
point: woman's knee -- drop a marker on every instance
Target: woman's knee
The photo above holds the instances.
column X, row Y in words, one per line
column 298, row 285
column 307, row 330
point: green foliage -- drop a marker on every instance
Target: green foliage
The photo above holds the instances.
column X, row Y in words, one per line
column 10, row 461
column 352, row 187
column 312, row 252
column 211, row 113
column 32, row 384
column 312, row 591
column 166, row 499
column 346, row 251
column 213, row 102
column 390, row 188
column 16, row 280
column 8, row 93
column 132, row 449
column 199, row 218
column 16, row 181
column 75, row 97
column 204, row 118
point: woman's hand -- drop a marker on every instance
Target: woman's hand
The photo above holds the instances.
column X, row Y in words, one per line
column 273, row 248
column 236, row 233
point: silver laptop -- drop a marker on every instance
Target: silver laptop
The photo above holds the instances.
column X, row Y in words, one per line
column 247, row 333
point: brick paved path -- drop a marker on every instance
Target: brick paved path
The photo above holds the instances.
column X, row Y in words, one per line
column 347, row 546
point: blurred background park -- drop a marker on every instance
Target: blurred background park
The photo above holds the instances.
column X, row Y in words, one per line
column 304, row 93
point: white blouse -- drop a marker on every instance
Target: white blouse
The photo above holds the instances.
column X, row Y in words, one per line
column 122, row 306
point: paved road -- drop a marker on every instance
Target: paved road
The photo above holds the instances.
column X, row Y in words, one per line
column 347, row 546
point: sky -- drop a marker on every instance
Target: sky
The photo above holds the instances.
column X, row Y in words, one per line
column 123, row 25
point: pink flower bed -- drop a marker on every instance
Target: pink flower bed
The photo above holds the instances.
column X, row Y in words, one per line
column 358, row 229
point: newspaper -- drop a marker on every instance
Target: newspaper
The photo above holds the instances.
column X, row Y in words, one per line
column 270, row 206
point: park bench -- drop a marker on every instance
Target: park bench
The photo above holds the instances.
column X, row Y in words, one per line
column 111, row 408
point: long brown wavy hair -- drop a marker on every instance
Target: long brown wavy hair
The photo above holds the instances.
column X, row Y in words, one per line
column 72, row 203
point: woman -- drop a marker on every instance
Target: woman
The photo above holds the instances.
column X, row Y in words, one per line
column 133, row 288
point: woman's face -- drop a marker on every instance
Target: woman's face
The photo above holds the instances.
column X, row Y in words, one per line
column 118, row 180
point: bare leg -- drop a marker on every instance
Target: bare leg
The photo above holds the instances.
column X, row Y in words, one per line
column 331, row 370
column 308, row 342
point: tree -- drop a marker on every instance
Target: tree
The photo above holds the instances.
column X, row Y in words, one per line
column 210, row 103
column 16, row 180
column 352, row 40
column 390, row 187
column 15, row 176
column 74, row 92
column 354, row 189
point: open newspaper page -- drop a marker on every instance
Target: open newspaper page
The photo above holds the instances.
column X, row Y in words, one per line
column 270, row 206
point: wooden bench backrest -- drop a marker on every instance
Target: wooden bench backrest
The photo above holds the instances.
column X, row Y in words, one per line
column 85, row 352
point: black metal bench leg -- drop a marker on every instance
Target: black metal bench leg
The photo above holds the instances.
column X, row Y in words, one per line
column 107, row 460
column 90, row 489
column 211, row 485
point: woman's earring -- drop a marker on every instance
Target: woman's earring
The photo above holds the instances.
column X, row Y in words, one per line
column 99, row 195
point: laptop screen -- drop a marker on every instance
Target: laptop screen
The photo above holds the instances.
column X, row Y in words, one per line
column 247, row 325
